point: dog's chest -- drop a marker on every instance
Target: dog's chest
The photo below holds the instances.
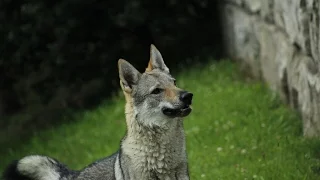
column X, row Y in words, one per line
column 153, row 157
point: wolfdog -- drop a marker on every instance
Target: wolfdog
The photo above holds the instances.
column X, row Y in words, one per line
column 154, row 144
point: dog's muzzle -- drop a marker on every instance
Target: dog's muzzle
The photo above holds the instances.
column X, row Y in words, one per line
column 182, row 111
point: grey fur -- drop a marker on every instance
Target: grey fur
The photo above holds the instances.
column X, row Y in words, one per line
column 154, row 146
column 157, row 60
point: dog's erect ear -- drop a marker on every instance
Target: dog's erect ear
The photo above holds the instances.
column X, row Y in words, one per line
column 129, row 75
column 156, row 60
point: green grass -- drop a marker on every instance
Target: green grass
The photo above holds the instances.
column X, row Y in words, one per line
column 237, row 130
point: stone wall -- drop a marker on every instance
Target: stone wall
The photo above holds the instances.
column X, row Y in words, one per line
column 280, row 41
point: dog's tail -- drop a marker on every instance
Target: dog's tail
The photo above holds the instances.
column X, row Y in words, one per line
column 37, row 167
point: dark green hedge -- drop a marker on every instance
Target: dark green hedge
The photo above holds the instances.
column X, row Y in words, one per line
column 64, row 53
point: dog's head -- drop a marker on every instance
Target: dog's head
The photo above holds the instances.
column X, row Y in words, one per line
column 154, row 96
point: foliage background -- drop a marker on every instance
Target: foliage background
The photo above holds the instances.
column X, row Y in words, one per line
column 63, row 54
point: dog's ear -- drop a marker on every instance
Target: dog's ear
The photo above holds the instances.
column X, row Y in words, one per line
column 156, row 60
column 129, row 75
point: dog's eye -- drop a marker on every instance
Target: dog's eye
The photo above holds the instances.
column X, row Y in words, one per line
column 157, row 91
column 175, row 82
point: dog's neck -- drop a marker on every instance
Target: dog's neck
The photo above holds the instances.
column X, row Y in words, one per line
column 153, row 149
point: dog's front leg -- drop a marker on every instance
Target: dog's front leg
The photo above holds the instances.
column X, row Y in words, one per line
column 182, row 172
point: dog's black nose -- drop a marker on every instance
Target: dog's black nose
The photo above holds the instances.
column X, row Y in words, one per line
column 186, row 97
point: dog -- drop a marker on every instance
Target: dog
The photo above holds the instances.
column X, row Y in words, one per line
column 154, row 145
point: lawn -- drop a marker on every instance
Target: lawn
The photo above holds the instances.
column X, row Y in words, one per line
column 237, row 130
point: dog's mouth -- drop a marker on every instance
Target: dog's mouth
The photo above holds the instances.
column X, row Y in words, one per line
column 178, row 112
